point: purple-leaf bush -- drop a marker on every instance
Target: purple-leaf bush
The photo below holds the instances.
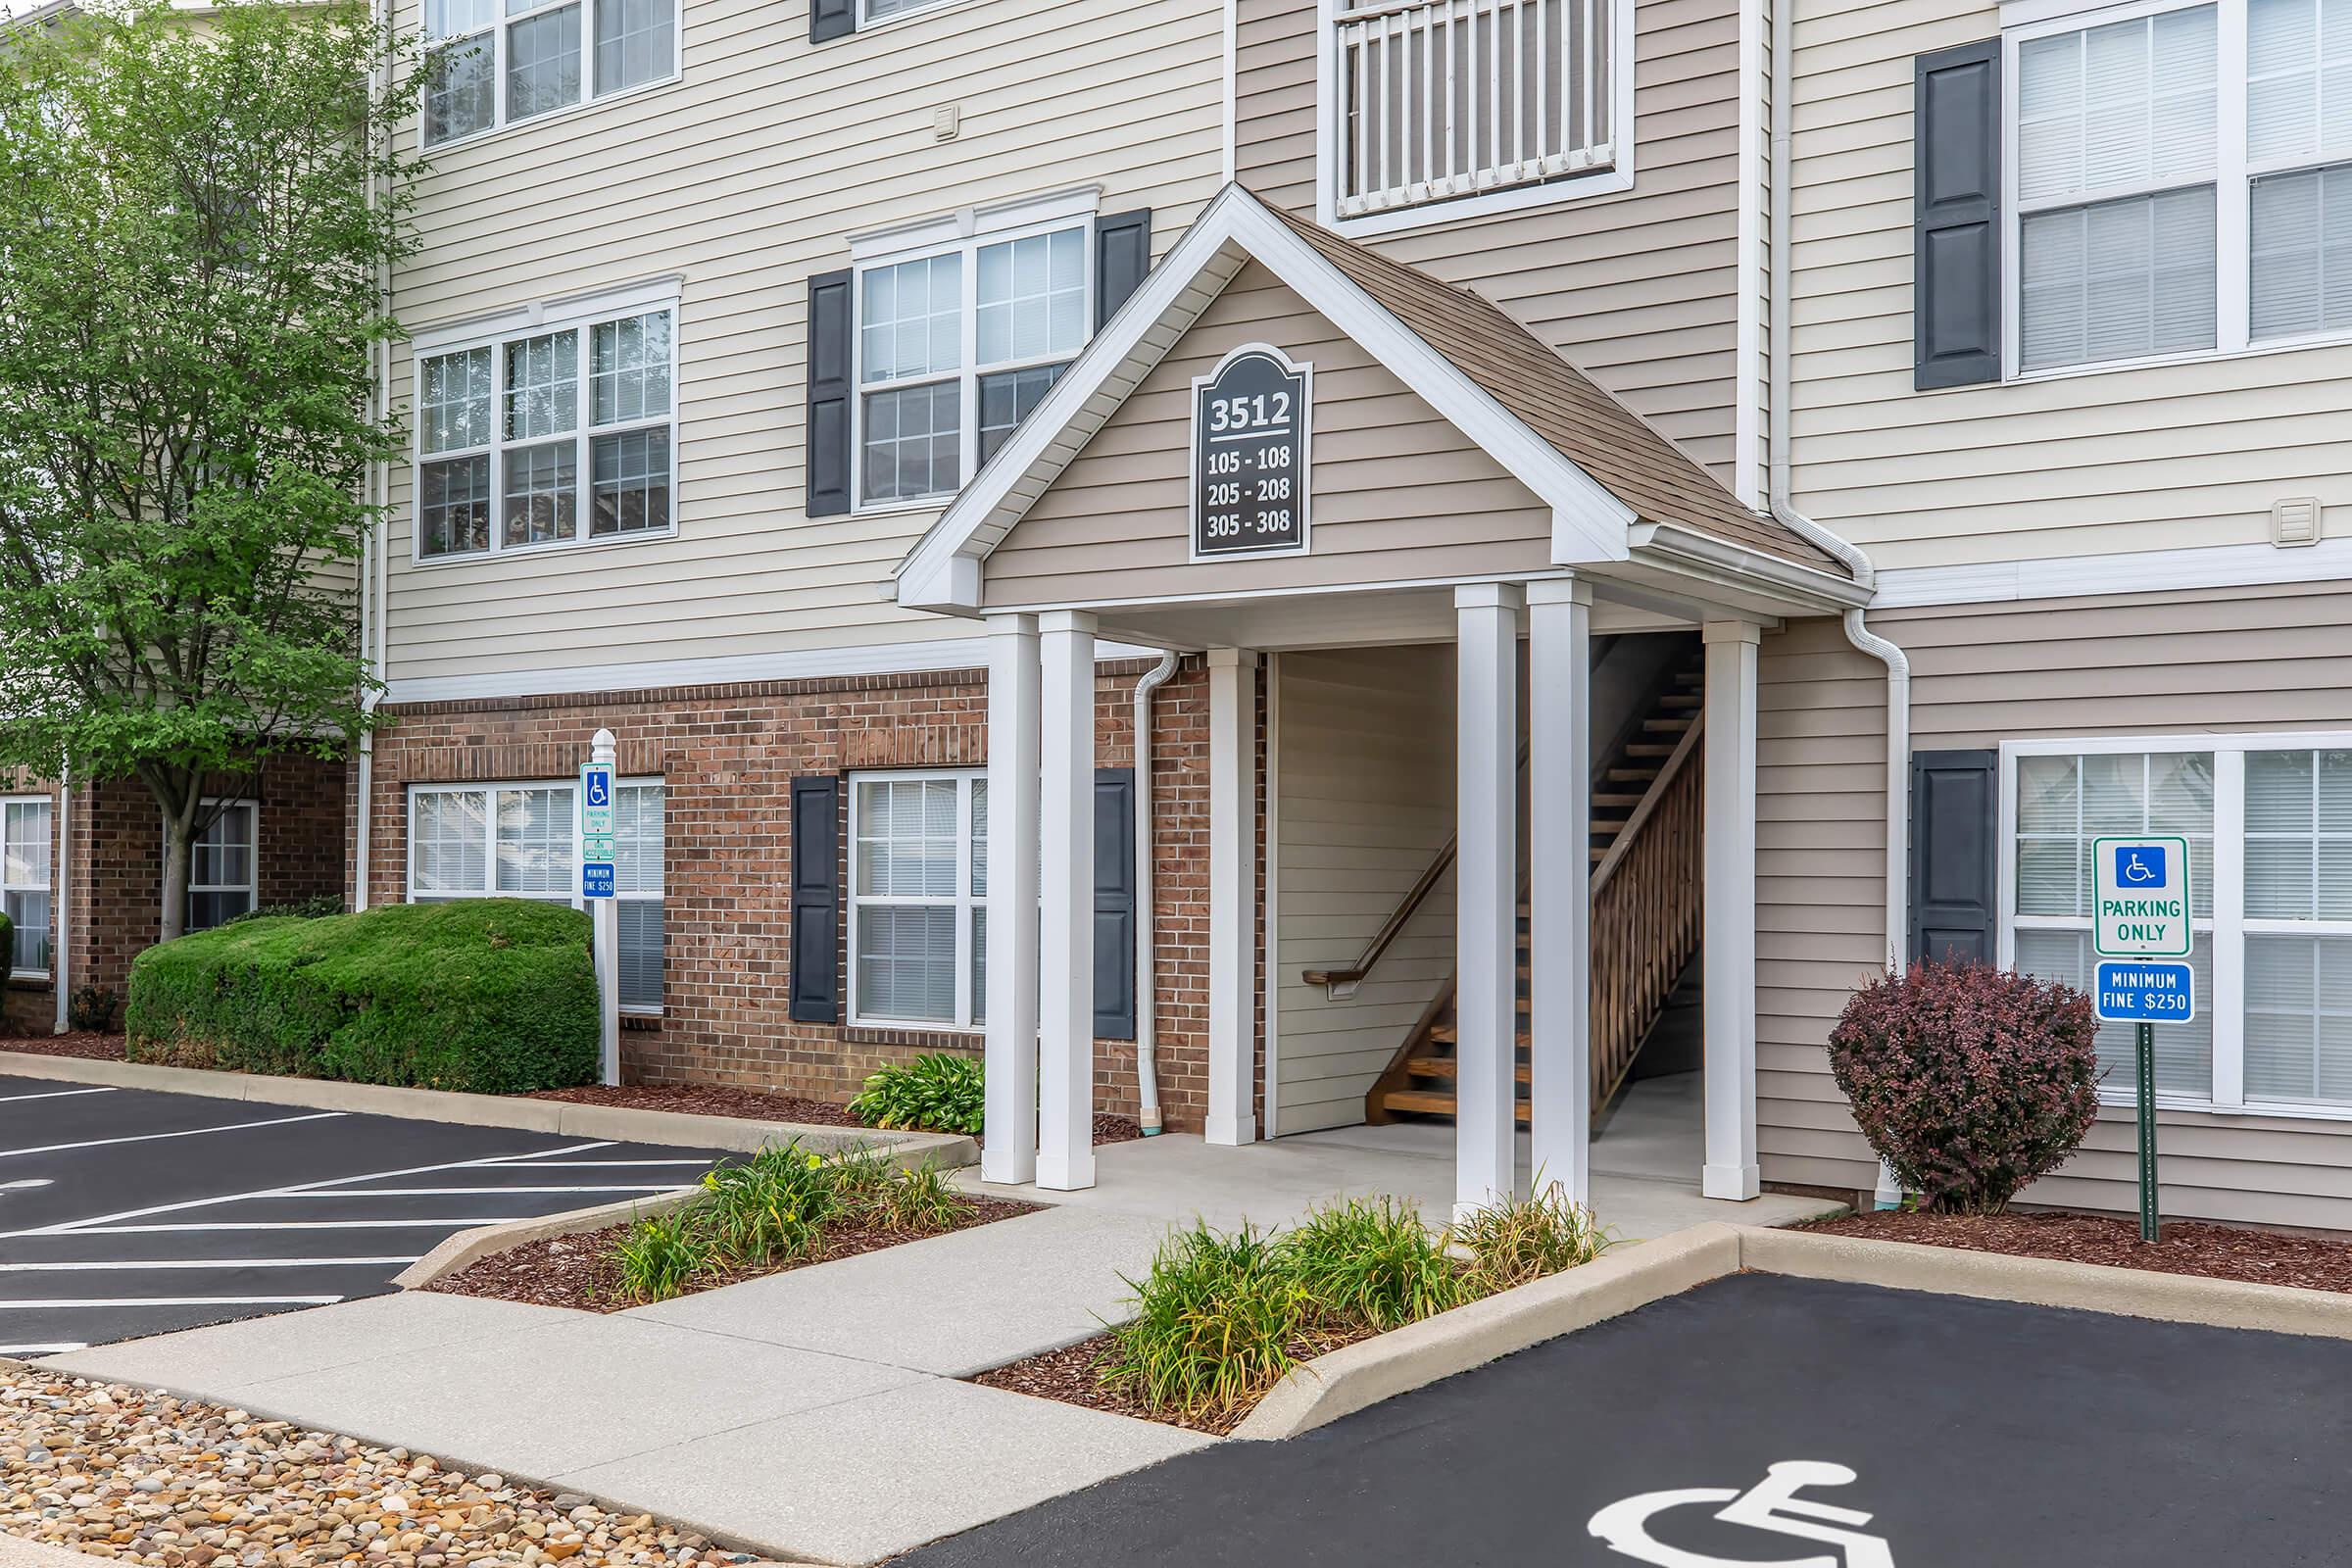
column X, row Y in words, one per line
column 1969, row 1080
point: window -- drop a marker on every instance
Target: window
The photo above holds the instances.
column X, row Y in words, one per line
column 2269, row 821
column 546, row 437
column 521, row 841
column 24, row 859
column 1472, row 105
column 221, row 865
column 483, row 71
column 919, row 885
column 2145, row 227
column 956, row 346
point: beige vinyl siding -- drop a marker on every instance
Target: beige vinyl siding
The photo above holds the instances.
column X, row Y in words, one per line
column 2156, row 457
column 742, row 179
column 1363, row 801
column 2242, row 659
column 1396, row 492
column 1638, row 288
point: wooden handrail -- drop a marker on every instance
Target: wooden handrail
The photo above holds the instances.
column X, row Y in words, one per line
column 1623, row 844
column 1645, row 921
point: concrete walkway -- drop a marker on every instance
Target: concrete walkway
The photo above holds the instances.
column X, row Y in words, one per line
column 812, row 1415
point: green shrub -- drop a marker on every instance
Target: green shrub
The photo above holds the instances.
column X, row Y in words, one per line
column 934, row 1092
column 495, row 996
column 1514, row 1241
column 8, row 940
column 770, row 1208
column 311, row 909
column 661, row 1257
column 93, row 1007
column 1372, row 1265
column 1217, row 1322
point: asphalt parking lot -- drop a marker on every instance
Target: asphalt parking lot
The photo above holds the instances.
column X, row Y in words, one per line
column 125, row 1212
column 1779, row 1422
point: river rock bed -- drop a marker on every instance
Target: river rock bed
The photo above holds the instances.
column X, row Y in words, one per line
column 145, row 1477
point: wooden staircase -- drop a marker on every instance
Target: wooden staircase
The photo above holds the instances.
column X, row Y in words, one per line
column 1646, row 831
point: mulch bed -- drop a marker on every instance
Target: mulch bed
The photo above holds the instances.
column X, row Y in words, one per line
column 2189, row 1246
column 1073, row 1375
column 752, row 1105
column 582, row 1273
column 87, row 1044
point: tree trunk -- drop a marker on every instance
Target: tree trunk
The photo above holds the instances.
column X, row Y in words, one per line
column 179, row 842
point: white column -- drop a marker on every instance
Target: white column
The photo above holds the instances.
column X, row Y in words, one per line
column 1013, row 934
column 604, row 930
column 1731, row 912
column 1066, row 1042
column 1559, row 618
column 1486, row 1004
column 1232, row 895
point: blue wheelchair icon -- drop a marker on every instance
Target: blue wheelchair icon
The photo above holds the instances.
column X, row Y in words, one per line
column 600, row 789
column 2139, row 866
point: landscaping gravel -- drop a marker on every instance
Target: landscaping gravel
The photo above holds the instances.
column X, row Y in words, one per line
column 88, row 1043
column 2189, row 1246
column 581, row 1272
column 148, row 1478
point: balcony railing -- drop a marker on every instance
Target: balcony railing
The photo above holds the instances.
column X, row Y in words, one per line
column 1452, row 98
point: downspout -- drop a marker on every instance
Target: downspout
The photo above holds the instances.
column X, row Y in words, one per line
column 61, row 962
column 1857, row 629
column 1147, row 1062
column 371, row 553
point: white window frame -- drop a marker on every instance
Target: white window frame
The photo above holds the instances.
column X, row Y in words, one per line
column 1330, row 131
column 867, row 22
column 967, row 235
column 499, row 123
column 49, row 804
column 2228, row 925
column 490, row 889
column 2232, row 185
column 967, row 1003
column 581, row 316
column 252, row 889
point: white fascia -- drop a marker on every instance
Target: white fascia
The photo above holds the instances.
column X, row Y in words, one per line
column 1588, row 522
column 1714, row 560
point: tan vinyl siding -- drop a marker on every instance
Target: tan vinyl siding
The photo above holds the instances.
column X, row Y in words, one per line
column 742, row 179
column 1638, row 288
column 2155, row 457
column 2244, row 660
column 1363, row 802
column 1397, row 492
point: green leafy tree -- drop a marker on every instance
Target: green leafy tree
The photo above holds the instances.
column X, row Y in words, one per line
column 197, row 215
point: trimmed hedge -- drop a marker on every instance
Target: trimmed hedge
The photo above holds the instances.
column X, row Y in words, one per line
column 493, row 995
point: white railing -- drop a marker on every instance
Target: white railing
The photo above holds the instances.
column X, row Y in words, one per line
column 1449, row 98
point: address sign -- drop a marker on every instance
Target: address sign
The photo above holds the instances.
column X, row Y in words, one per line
column 1249, row 454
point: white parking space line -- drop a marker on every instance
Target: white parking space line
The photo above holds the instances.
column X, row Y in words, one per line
column 170, row 1300
column 108, row 1222
column 470, row 1192
column 597, row 1164
column 53, row 1094
column 138, row 1266
column 178, row 1227
column 146, row 1138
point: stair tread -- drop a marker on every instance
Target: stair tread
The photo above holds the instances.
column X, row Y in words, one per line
column 1433, row 1101
column 1444, row 1067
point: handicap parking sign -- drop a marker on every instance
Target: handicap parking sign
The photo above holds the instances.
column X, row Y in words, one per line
column 2139, row 897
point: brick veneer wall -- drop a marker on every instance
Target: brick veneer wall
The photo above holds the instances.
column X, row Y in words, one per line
column 726, row 755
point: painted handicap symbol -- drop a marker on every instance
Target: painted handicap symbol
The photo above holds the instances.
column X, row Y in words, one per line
column 2131, row 866
column 1771, row 1507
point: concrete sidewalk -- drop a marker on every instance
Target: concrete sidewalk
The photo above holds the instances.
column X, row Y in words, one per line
column 810, row 1415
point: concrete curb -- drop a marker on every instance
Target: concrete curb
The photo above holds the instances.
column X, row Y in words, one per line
column 561, row 1117
column 2048, row 1282
column 471, row 1247
column 1363, row 1374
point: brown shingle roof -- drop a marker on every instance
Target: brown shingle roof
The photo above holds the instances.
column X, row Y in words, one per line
column 1559, row 403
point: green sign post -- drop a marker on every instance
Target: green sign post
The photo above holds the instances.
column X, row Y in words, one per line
column 2140, row 930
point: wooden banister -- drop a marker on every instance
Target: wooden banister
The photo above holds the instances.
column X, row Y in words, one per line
column 1647, row 899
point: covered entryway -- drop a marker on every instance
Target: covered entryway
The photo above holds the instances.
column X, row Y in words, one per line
column 1460, row 519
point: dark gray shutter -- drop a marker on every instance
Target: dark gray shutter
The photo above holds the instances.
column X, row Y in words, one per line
column 828, row 431
column 831, row 18
column 1955, row 800
column 1114, row 903
column 816, row 900
column 1122, row 256
column 1956, row 245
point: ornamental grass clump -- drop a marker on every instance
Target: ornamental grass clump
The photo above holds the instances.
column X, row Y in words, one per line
column 1373, row 1264
column 661, row 1257
column 1515, row 1241
column 770, row 1208
column 1218, row 1321
column 1969, row 1080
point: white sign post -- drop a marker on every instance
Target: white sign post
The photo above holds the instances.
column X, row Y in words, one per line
column 2140, row 931
column 597, row 887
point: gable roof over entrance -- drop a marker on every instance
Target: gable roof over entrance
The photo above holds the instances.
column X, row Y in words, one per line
column 1614, row 485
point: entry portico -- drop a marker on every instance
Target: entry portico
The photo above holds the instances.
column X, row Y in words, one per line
column 1468, row 495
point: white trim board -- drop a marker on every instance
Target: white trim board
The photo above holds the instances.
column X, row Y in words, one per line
column 813, row 664
column 2141, row 571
